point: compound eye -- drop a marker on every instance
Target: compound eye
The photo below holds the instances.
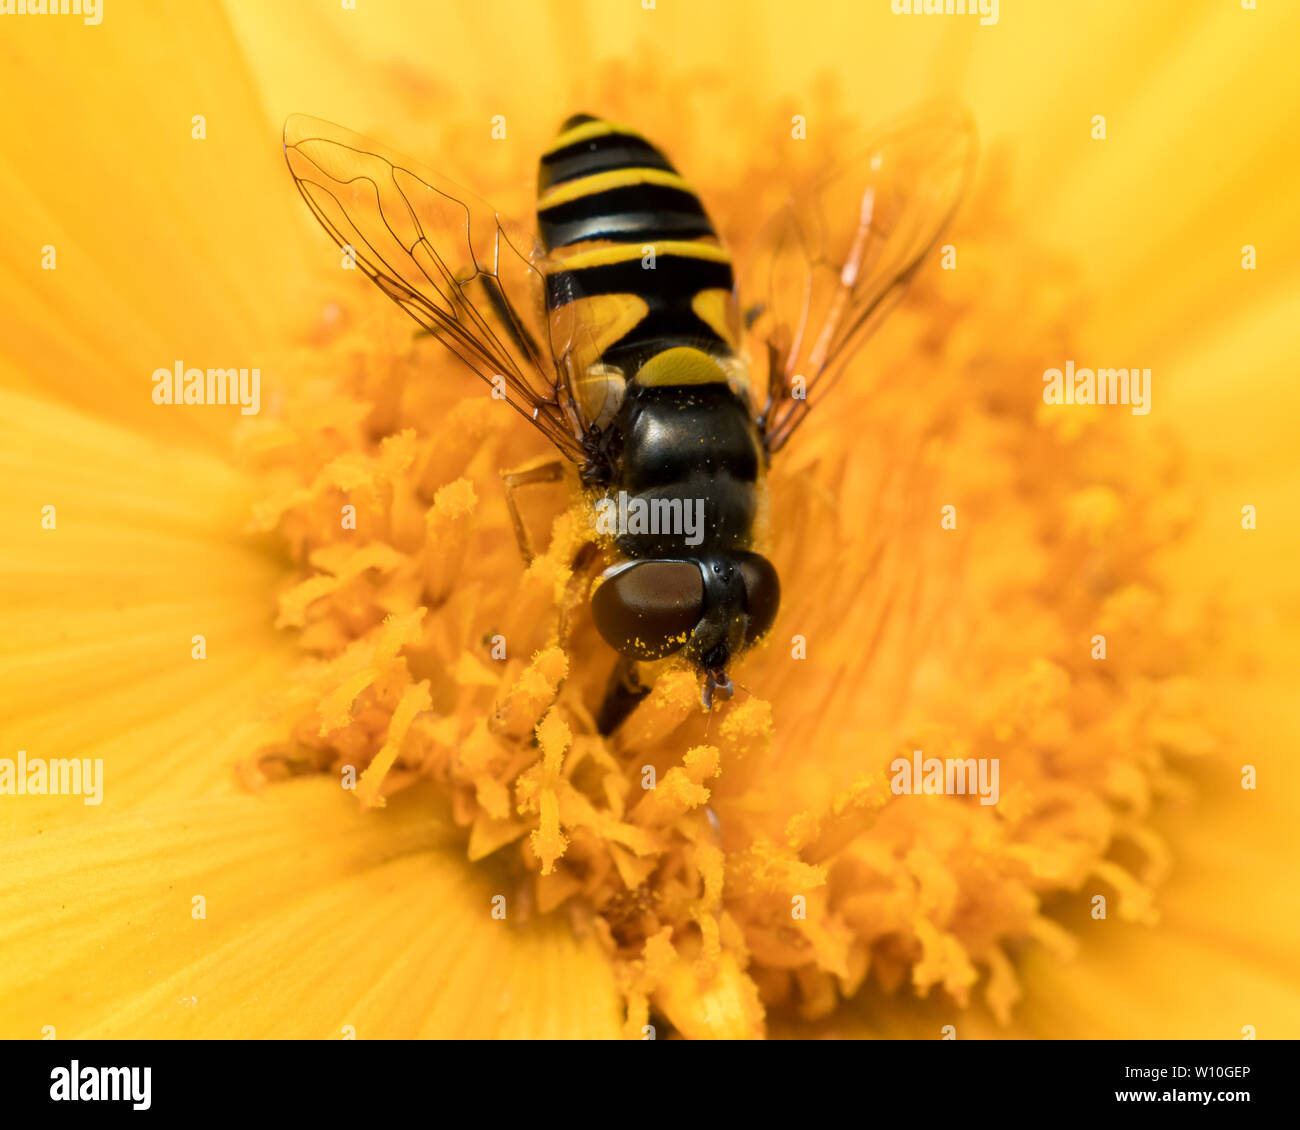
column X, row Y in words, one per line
column 648, row 609
column 762, row 594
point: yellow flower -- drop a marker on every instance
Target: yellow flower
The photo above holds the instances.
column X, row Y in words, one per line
column 191, row 612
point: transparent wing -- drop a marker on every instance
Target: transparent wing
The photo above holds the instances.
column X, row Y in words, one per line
column 831, row 265
column 465, row 273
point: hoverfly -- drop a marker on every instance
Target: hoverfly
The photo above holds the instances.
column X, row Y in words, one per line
column 619, row 335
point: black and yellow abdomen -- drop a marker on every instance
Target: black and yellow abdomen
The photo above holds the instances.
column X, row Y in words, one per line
column 629, row 233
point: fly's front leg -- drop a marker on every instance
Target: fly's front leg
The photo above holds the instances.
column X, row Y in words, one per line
column 623, row 693
column 551, row 471
column 585, row 563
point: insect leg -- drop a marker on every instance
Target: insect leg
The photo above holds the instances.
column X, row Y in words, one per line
column 775, row 390
column 549, row 472
column 622, row 695
column 509, row 320
column 585, row 561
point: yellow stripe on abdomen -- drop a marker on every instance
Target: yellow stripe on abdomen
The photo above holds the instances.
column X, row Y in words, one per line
column 626, row 252
column 586, row 131
column 630, row 241
column 611, row 178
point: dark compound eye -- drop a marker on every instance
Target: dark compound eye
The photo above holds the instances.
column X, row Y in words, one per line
column 762, row 593
column 648, row 609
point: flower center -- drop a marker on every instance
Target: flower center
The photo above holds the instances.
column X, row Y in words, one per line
column 967, row 585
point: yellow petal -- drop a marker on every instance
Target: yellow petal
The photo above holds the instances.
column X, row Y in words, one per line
column 137, row 555
column 284, row 914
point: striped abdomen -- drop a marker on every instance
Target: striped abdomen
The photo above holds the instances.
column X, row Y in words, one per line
column 631, row 236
